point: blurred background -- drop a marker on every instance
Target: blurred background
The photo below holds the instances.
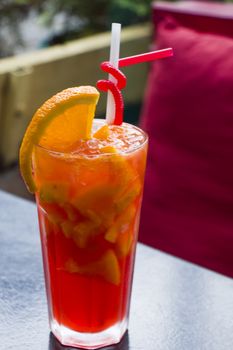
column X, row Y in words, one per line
column 46, row 46
column 28, row 25
column 185, row 103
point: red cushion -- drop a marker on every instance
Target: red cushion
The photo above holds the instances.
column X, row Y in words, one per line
column 188, row 113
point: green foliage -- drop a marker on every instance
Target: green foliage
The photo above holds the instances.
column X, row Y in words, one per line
column 82, row 18
column 93, row 13
column 87, row 17
column 128, row 12
column 97, row 15
column 11, row 13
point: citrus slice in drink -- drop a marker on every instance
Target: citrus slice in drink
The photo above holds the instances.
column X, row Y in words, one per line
column 59, row 122
column 107, row 267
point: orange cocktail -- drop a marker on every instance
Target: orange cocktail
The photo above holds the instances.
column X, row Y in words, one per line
column 88, row 181
column 89, row 199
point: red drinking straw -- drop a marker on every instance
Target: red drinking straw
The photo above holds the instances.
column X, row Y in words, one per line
column 145, row 57
column 115, row 89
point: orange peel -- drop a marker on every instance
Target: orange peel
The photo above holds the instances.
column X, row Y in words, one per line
column 59, row 122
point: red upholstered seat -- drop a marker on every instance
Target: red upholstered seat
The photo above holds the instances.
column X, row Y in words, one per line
column 188, row 114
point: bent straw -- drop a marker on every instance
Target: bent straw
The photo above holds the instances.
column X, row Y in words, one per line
column 145, row 57
column 114, row 58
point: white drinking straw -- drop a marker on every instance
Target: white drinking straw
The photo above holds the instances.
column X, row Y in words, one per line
column 114, row 58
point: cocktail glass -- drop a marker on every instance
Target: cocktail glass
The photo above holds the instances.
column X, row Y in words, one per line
column 89, row 208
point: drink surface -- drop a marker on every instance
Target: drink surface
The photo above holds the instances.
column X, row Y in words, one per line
column 89, row 201
column 124, row 138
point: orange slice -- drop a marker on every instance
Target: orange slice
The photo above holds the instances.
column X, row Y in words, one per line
column 107, row 267
column 124, row 244
column 59, row 122
column 121, row 224
column 103, row 133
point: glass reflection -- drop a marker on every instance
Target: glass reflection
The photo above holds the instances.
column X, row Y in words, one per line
column 54, row 344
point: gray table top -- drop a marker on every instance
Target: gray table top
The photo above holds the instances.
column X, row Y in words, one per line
column 175, row 305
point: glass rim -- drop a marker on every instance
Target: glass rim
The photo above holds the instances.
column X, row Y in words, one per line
column 69, row 155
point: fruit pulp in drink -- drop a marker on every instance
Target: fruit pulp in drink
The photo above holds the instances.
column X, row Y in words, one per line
column 89, row 200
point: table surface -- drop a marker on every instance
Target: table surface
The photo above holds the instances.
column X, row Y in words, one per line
column 175, row 305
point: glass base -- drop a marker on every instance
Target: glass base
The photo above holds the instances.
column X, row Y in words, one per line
column 110, row 336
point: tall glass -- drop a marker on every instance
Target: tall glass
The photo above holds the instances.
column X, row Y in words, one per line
column 89, row 208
